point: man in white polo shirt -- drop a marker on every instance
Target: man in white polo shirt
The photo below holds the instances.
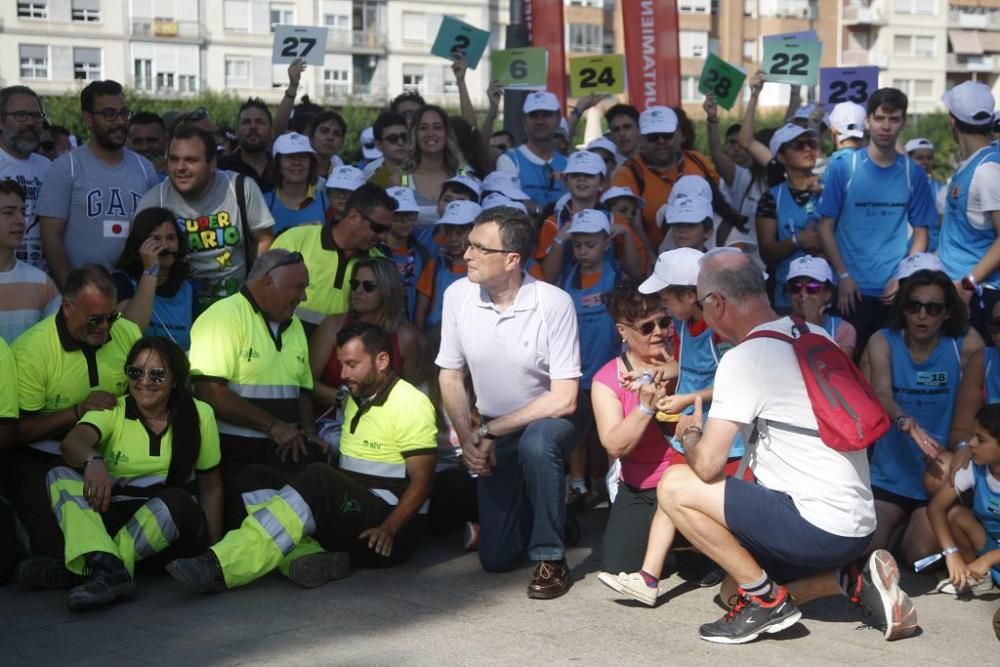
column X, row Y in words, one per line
column 518, row 339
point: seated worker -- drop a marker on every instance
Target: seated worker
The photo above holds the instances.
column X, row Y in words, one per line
column 68, row 364
column 442, row 271
column 810, row 289
column 687, row 216
column 969, row 537
column 408, row 254
column 250, row 362
column 330, row 250
column 380, row 494
column 135, row 499
column 343, row 180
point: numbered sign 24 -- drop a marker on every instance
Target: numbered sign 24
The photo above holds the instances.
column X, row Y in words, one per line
column 847, row 84
column 294, row 41
column 596, row 74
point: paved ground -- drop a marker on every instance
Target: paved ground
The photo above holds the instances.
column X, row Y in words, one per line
column 441, row 609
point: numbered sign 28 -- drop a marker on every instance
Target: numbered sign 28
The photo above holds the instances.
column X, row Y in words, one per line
column 847, row 84
column 596, row 74
column 456, row 37
column 520, row 68
column 791, row 60
column 294, row 41
column 721, row 79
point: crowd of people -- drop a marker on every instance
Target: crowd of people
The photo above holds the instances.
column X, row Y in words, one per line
column 231, row 360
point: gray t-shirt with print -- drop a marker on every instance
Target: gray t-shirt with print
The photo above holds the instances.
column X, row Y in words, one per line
column 29, row 174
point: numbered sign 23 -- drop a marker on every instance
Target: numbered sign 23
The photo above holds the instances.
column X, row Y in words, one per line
column 721, row 79
column 847, row 84
column 519, row 68
column 456, row 36
column 295, row 41
column 596, row 74
column 791, row 60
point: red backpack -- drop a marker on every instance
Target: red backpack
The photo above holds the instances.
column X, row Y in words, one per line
column 848, row 412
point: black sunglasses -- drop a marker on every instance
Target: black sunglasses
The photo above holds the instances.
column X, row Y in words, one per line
column 288, row 260
column 395, row 138
column 376, row 226
column 368, row 285
column 932, row 308
column 810, row 288
column 156, row 375
column 97, row 320
column 647, row 328
column 659, row 136
column 802, row 144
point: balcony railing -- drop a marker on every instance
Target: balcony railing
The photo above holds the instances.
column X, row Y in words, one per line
column 957, row 63
column 873, row 15
column 166, row 28
column 986, row 21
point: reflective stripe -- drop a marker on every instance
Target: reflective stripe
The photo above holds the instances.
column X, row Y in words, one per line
column 47, row 446
column 391, row 498
column 301, row 509
column 266, row 390
column 164, row 519
column 67, row 497
column 143, row 548
column 270, row 523
column 258, row 497
column 310, row 316
column 62, row 473
column 395, row 470
column 141, row 482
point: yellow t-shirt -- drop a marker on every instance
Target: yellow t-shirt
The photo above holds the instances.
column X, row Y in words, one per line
column 8, row 384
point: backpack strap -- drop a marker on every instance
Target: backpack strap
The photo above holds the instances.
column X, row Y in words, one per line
column 637, row 175
column 241, row 206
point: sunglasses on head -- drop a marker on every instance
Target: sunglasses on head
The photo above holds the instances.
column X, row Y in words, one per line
column 367, row 285
column 98, row 320
column 398, row 138
column 994, row 327
column 810, row 288
column 155, row 375
column 932, row 308
column 647, row 328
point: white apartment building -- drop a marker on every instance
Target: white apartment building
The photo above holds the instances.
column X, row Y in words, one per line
column 375, row 50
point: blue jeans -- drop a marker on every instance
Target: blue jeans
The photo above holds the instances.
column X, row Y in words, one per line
column 523, row 503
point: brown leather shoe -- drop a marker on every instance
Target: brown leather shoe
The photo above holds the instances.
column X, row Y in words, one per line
column 550, row 580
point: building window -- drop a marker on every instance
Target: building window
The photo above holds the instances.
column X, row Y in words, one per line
column 749, row 8
column 693, row 44
column 694, row 6
column 164, row 80
column 238, row 72
column 450, row 85
column 86, row 11
column 917, row 89
column 236, row 15
column 337, row 21
column 143, row 71
column 32, row 9
column 925, row 7
column 282, row 14
column 689, row 89
column 799, row 9
column 34, row 61
column 335, row 83
column 921, row 46
column 422, row 28
column 586, row 3
column 749, row 49
column 87, row 64
column 413, row 78
column 187, row 83
column 586, row 37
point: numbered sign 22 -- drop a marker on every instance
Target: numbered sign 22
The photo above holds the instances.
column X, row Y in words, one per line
column 847, row 84
column 596, row 74
column 721, row 79
column 791, row 60
column 456, row 36
column 520, row 68
column 295, row 41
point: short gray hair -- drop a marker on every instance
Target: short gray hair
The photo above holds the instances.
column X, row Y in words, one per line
column 733, row 275
column 266, row 262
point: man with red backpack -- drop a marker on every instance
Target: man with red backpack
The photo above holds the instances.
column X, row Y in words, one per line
column 795, row 534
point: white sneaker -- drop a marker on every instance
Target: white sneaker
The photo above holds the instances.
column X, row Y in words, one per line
column 634, row 586
column 977, row 588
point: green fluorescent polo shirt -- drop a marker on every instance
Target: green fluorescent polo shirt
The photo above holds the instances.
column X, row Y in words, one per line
column 8, row 384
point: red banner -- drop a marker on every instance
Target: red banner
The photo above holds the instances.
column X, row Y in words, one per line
column 652, row 54
column 544, row 21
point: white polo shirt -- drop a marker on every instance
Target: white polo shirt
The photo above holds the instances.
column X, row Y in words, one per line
column 513, row 356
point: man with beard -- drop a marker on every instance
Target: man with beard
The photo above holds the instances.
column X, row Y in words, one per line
column 253, row 131
column 147, row 136
column 222, row 234
column 537, row 162
column 90, row 195
column 21, row 119
column 372, row 506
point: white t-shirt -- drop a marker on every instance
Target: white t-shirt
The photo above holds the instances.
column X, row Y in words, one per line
column 512, row 356
column 29, row 174
column 760, row 379
column 984, row 192
column 965, row 479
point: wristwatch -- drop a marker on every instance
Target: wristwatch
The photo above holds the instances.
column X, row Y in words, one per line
column 484, row 431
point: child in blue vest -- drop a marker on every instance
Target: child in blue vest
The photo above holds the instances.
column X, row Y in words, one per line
column 969, row 537
column 456, row 188
column 688, row 215
column 589, row 279
column 409, row 254
column 443, row 270
column 809, row 289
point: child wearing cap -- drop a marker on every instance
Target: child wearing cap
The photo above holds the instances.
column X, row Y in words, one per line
column 295, row 199
column 343, row 180
column 456, row 188
column 809, row 288
column 687, row 215
column 409, row 255
column 443, row 270
column 921, row 151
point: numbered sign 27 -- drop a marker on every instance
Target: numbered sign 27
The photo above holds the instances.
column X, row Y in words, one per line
column 295, row 41
column 456, row 37
column 847, row 84
column 791, row 60
column 596, row 74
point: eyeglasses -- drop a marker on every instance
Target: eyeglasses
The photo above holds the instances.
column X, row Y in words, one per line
column 703, row 301
column 156, row 375
column 994, row 327
column 368, row 285
column 25, row 116
column 110, row 114
column 932, row 308
column 646, row 328
column 810, row 288
column 659, row 136
column 288, row 260
column 98, row 320
column 480, row 249
column 395, row 138
column 376, row 226
column 801, row 144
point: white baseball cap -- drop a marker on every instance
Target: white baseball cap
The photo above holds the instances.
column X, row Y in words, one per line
column 808, row 266
column 585, row 162
column 690, row 202
column 495, row 200
column 540, row 100
column 786, row 133
column 460, row 212
column 621, row 191
column 590, row 221
column 918, row 144
column 505, row 183
column 922, row 261
column 658, row 120
column 674, row 267
column 604, row 144
column 345, row 177
column 563, row 127
column 291, row 143
column 405, row 201
column 368, row 147
column 804, row 112
column 848, row 119
column 473, row 184
column 971, row 102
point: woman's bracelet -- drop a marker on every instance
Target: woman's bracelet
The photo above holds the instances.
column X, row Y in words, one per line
column 645, row 409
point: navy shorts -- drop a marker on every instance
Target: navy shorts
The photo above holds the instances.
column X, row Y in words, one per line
column 785, row 545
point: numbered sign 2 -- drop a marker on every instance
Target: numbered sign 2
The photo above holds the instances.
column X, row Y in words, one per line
column 456, row 36
column 721, row 79
column 792, row 60
column 520, row 68
column 847, row 84
column 295, row 41
column 596, row 74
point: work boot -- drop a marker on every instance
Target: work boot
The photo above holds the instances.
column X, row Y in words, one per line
column 202, row 574
column 314, row 570
column 44, row 573
column 107, row 580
